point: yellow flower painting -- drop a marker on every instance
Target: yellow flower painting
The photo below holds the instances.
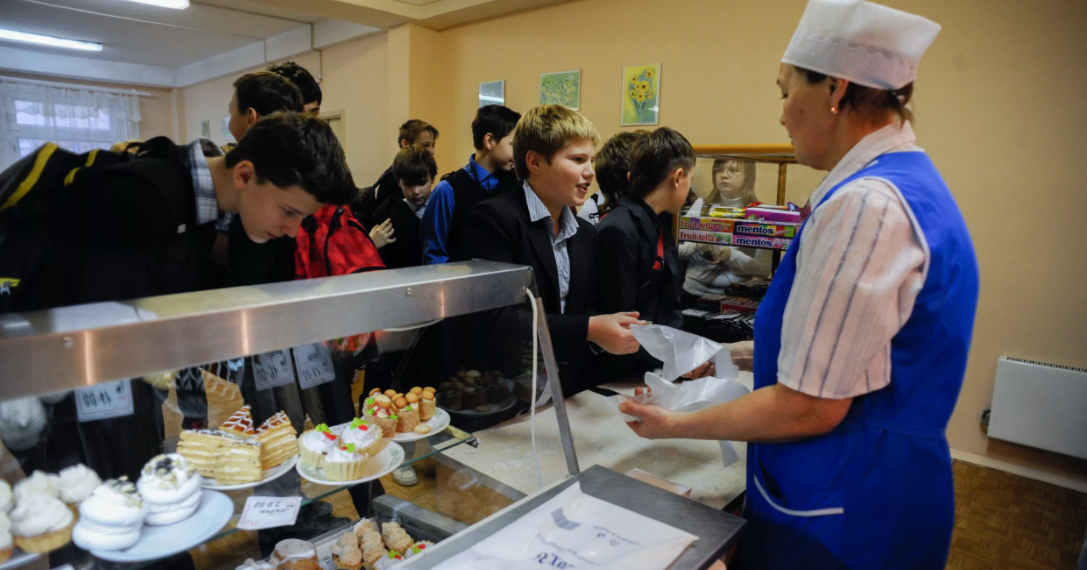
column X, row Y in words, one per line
column 641, row 95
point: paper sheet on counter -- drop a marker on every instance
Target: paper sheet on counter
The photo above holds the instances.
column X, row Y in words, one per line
column 575, row 530
column 682, row 352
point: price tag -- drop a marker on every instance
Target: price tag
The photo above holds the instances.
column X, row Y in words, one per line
column 104, row 401
column 269, row 512
column 273, row 369
column 314, row 363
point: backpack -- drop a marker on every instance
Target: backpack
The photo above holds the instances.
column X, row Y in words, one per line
column 332, row 242
column 36, row 195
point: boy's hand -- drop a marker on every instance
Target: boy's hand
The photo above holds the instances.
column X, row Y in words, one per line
column 721, row 255
column 382, row 234
column 612, row 332
column 743, row 355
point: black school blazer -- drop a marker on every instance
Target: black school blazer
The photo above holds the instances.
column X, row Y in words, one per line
column 499, row 229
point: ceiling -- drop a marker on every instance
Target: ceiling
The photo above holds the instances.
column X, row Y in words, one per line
column 150, row 45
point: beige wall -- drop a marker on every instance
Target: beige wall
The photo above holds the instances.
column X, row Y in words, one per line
column 208, row 101
column 997, row 109
column 155, row 111
column 356, row 81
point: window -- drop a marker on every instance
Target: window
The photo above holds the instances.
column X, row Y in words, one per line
column 76, row 119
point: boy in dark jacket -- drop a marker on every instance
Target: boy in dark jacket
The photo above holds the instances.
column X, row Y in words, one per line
column 414, row 169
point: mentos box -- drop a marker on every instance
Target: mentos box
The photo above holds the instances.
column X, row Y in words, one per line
column 766, row 229
column 715, row 238
column 720, row 225
column 761, row 242
column 772, row 214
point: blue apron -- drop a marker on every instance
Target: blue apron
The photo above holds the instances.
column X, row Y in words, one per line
column 875, row 492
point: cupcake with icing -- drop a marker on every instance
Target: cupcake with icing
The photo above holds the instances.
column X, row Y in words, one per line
column 372, row 555
column 39, row 483
column 371, row 539
column 366, row 437
column 393, row 558
column 41, row 523
column 111, row 518
column 346, row 553
column 399, row 541
column 170, row 486
column 315, row 444
column 366, row 525
column 419, row 548
column 75, row 484
column 344, row 464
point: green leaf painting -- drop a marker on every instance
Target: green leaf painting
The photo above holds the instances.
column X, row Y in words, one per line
column 561, row 88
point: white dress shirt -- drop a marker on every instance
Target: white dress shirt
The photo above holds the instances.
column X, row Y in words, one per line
column 861, row 263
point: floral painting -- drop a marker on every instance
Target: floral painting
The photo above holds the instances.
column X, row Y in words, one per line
column 561, row 88
column 641, row 95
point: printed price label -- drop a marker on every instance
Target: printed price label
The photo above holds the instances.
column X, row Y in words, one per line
column 269, row 512
column 104, row 401
column 314, row 364
column 273, row 369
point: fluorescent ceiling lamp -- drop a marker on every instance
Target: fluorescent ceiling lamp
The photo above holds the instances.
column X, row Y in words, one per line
column 175, row 4
column 47, row 40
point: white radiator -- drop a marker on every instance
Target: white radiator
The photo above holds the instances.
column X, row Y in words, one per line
column 1041, row 405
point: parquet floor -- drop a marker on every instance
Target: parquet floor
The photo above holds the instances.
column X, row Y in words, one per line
column 1004, row 521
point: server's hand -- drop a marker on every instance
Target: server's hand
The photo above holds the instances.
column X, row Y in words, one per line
column 743, row 355
column 707, row 369
column 656, row 422
column 382, row 234
column 612, row 332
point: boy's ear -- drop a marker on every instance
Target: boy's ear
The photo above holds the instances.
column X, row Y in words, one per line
column 244, row 171
column 489, row 142
column 533, row 160
column 404, row 143
column 677, row 176
column 251, row 116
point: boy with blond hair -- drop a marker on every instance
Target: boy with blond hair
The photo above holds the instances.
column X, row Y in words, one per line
column 553, row 151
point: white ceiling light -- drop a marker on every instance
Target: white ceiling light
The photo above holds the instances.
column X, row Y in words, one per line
column 47, row 40
column 175, row 4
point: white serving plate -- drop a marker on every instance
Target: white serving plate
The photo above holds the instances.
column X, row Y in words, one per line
column 437, row 424
column 268, row 475
column 156, row 542
column 379, row 465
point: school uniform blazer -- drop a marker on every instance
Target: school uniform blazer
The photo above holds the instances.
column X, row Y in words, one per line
column 499, row 229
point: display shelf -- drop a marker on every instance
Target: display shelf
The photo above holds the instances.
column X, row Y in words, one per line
column 292, row 485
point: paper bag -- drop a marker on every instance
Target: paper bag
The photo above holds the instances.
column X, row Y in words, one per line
column 575, row 530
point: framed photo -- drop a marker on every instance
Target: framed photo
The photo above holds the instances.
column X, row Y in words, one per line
column 561, row 88
column 641, row 95
column 205, row 129
column 492, row 93
column 227, row 136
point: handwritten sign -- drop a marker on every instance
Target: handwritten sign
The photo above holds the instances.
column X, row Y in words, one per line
column 104, row 401
column 273, row 369
column 269, row 512
column 314, row 365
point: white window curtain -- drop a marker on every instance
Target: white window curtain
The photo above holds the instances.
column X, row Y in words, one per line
column 76, row 119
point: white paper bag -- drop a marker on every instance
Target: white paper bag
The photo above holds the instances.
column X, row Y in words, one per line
column 682, row 352
column 575, row 530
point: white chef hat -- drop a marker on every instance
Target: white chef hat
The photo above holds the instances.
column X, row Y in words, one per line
column 866, row 43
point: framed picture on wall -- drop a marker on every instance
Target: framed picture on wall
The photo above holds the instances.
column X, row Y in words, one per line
column 492, row 93
column 641, row 95
column 205, row 129
column 561, row 88
column 227, row 136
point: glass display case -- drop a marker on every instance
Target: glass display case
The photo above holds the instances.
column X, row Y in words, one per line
column 113, row 386
column 730, row 251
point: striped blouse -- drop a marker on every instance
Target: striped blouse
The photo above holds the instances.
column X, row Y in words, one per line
column 861, row 264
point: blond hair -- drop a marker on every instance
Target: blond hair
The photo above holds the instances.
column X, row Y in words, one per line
column 546, row 129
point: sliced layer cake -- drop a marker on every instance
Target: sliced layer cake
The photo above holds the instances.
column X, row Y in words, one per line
column 239, row 424
column 278, row 440
column 201, row 449
column 238, row 462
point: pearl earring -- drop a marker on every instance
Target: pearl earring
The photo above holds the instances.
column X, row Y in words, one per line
column 834, row 110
